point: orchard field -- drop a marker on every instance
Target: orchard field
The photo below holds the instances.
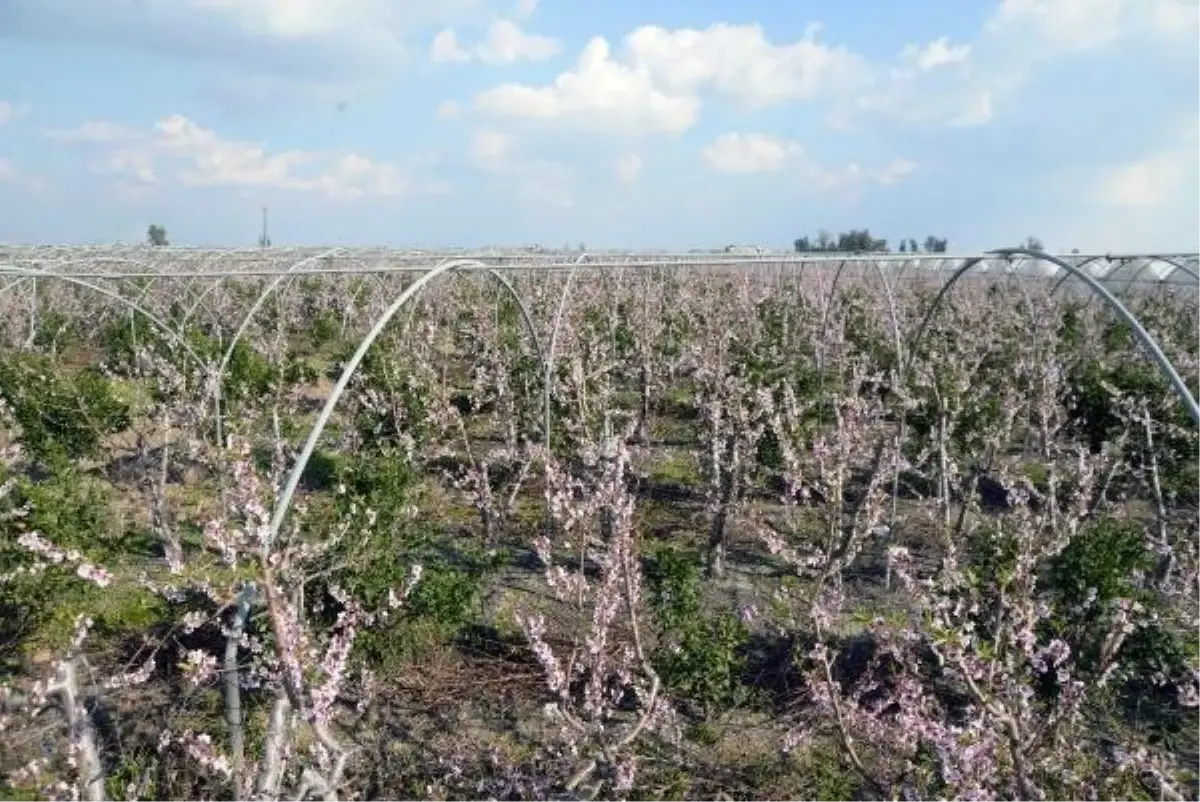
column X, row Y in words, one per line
column 333, row 527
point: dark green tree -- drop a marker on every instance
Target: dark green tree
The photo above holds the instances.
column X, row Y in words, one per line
column 156, row 235
column 852, row 241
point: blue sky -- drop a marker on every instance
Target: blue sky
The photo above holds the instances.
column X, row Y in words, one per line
column 655, row 124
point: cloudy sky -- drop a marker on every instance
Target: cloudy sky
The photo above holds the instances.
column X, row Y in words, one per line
column 624, row 124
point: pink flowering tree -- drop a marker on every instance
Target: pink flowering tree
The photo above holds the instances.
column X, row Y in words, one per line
column 597, row 668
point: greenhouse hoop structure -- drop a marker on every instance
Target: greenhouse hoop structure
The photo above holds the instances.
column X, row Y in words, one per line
column 170, row 287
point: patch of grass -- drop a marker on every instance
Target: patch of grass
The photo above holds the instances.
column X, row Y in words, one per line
column 677, row 468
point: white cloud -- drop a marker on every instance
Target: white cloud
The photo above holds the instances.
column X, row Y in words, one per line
column 217, row 162
column 10, row 112
column 1065, row 23
column 133, row 163
column 629, row 167
column 1161, row 177
column 531, row 179
column 937, row 53
column 506, row 43
column 961, row 85
column 894, row 172
column 503, row 43
column 199, row 157
column 749, row 153
column 655, row 85
column 599, row 93
column 976, row 109
column 909, row 102
column 293, row 18
column 303, row 42
column 658, row 79
column 739, row 62
column 1148, row 182
column 934, row 84
column 853, row 175
column 92, row 132
column 445, row 48
column 11, row 174
column 1150, row 202
column 448, row 110
column 1180, row 17
column 757, row 153
column 523, row 9
column 489, row 148
column 1075, row 25
column 738, row 153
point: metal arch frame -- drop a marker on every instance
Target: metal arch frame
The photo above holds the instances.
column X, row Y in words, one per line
column 262, row 298
column 191, row 310
column 199, row 299
column 1082, row 264
column 217, row 282
column 507, row 286
column 187, row 289
column 1164, row 364
column 897, row 339
column 219, row 376
column 898, row 343
column 141, row 264
column 116, row 296
column 54, row 261
column 1167, row 261
column 548, row 362
column 33, row 273
column 891, row 299
column 352, row 301
column 17, row 281
column 285, row 498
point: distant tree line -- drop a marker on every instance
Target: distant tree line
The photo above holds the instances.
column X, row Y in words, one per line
column 860, row 241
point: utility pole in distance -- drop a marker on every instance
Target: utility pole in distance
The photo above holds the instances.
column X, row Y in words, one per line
column 264, row 241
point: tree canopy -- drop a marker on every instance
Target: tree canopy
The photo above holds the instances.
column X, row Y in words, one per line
column 860, row 241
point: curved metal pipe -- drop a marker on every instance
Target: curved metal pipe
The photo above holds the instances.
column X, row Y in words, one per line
column 285, row 499
column 1081, row 265
column 1175, row 265
column 166, row 329
column 1164, row 364
column 548, row 383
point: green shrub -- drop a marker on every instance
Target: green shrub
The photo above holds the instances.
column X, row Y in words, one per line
column 62, row 415
column 700, row 655
column 38, row 610
column 1101, row 566
column 376, row 559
